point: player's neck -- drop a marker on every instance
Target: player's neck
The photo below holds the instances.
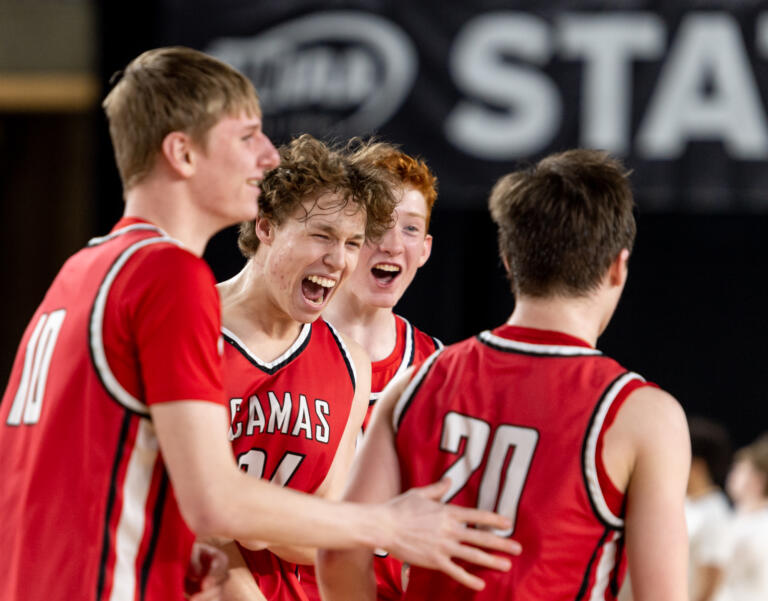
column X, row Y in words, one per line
column 373, row 328
column 577, row 317
column 249, row 312
column 166, row 206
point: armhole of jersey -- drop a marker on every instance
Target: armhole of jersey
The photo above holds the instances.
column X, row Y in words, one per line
column 402, row 404
column 96, row 329
column 345, row 354
column 409, row 351
column 607, row 501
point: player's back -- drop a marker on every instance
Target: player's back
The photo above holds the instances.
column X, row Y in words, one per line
column 514, row 418
column 83, row 483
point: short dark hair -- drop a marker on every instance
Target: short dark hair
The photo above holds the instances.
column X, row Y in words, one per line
column 711, row 443
column 563, row 221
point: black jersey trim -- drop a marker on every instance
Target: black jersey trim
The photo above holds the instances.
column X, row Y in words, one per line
column 271, row 367
column 506, row 345
column 588, row 450
column 590, row 569
column 345, row 354
column 157, row 520
column 406, row 359
column 106, row 544
column 96, row 328
column 406, row 398
column 437, row 342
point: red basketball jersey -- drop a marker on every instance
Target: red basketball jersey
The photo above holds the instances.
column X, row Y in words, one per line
column 411, row 346
column 515, row 418
column 288, row 417
column 87, row 509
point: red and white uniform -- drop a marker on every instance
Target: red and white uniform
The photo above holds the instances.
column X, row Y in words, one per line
column 288, row 418
column 515, row 418
column 412, row 346
column 87, row 508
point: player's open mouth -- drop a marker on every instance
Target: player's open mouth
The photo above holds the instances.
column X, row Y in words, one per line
column 253, row 181
column 384, row 273
column 316, row 288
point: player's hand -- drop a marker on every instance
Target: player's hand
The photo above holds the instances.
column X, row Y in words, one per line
column 430, row 534
column 206, row 573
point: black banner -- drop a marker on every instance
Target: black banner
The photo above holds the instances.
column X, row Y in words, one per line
column 676, row 89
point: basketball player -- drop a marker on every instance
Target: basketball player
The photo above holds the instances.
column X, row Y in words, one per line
column 291, row 378
column 363, row 308
column 117, row 379
column 584, row 457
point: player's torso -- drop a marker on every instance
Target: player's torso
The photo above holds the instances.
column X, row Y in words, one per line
column 513, row 417
column 288, row 415
column 79, row 451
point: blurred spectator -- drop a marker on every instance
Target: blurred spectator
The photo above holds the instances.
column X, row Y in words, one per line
column 707, row 510
column 746, row 569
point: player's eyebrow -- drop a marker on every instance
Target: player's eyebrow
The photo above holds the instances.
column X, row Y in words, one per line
column 332, row 229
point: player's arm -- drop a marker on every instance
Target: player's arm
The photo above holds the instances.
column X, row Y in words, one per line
column 217, row 499
column 333, row 485
column 375, row 478
column 652, row 433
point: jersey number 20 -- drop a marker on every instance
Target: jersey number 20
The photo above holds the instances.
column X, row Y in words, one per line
column 492, row 496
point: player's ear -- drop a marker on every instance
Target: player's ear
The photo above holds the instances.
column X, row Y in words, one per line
column 179, row 154
column 426, row 250
column 265, row 230
column 617, row 272
column 505, row 261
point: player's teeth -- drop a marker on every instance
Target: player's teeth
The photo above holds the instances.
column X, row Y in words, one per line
column 386, row 267
column 321, row 281
column 253, row 181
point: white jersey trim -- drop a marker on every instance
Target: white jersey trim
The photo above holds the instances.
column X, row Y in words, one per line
column 98, row 351
column 409, row 391
column 125, row 230
column 303, row 334
column 132, row 522
column 539, row 349
column 406, row 359
column 346, row 352
column 590, row 449
column 605, row 567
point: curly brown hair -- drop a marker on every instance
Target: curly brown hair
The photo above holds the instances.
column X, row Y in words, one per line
column 406, row 170
column 563, row 221
column 309, row 169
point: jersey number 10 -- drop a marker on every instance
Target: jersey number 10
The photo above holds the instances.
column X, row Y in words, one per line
column 492, row 496
column 28, row 402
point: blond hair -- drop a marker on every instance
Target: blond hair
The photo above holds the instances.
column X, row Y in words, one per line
column 165, row 90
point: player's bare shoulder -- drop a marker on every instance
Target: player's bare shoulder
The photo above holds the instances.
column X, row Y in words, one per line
column 650, row 423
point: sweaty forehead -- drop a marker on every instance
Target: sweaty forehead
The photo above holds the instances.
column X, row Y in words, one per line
column 347, row 220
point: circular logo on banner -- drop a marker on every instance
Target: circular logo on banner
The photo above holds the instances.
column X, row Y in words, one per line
column 331, row 73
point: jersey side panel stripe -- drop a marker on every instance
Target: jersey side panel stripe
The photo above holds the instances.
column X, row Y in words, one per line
column 131, row 526
column 106, row 544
